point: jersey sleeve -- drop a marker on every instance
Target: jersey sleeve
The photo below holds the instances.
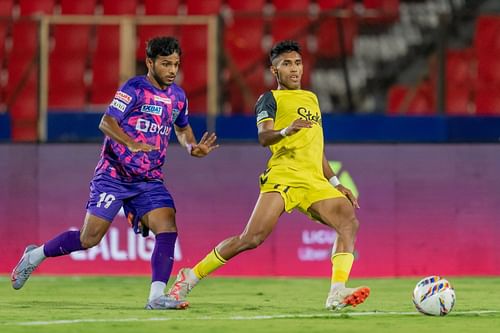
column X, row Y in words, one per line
column 123, row 102
column 265, row 108
column 182, row 119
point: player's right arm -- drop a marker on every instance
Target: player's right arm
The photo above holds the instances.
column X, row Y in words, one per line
column 111, row 128
column 265, row 111
column 269, row 136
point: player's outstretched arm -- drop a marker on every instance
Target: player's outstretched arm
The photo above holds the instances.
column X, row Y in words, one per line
column 269, row 136
column 110, row 127
column 332, row 178
column 186, row 138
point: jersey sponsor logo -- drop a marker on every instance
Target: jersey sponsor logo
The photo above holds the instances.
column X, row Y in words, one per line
column 152, row 109
column 262, row 115
column 307, row 115
column 123, row 97
column 165, row 100
column 118, row 105
column 147, row 126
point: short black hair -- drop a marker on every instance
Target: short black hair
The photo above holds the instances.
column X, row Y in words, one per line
column 162, row 46
column 284, row 47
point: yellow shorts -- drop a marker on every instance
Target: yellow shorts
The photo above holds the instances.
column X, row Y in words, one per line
column 298, row 193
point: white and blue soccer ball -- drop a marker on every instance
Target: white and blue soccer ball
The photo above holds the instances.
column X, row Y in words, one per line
column 434, row 296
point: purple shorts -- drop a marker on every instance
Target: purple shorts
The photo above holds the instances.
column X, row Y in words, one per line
column 108, row 195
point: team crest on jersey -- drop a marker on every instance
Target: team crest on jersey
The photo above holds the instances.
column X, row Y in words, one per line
column 165, row 100
column 175, row 114
column 152, row 109
column 118, row 105
column 120, row 95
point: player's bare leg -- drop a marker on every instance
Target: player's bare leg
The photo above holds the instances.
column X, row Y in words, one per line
column 338, row 213
column 94, row 228
column 264, row 217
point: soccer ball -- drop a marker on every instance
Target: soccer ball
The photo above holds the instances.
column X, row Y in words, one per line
column 434, row 296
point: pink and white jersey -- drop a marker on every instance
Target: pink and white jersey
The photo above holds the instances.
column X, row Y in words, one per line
column 146, row 114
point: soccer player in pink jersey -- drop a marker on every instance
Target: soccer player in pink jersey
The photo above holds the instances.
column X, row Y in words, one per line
column 137, row 125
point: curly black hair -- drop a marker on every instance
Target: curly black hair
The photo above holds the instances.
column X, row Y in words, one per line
column 284, row 47
column 162, row 46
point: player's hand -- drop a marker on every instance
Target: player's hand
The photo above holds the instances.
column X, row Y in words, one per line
column 297, row 125
column 205, row 146
column 347, row 192
column 141, row 146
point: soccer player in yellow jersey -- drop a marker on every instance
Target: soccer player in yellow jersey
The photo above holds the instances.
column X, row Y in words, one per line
column 297, row 176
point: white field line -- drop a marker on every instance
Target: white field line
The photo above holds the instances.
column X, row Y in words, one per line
column 207, row 318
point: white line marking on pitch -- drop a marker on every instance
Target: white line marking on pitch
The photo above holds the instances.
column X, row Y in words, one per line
column 263, row 317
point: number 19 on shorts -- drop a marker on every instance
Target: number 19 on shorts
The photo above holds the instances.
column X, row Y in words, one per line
column 105, row 198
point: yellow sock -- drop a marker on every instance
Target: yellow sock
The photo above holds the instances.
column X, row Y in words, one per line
column 342, row 263
column 210, row 263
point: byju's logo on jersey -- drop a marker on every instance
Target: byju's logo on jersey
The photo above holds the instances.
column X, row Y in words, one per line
column 147, row 126
column 152, row 109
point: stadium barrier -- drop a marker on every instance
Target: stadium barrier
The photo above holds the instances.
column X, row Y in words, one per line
column 425, row 209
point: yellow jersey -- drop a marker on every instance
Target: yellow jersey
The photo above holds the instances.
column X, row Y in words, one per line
column 297, row 158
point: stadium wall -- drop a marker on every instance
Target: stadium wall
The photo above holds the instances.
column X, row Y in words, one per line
column 78, row 127
column 425, row 209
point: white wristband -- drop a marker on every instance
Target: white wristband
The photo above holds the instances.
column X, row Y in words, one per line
column 334, row 181
column 189, row 148
column 283, row 132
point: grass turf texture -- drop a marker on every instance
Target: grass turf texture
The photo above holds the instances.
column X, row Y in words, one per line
column 115, row 304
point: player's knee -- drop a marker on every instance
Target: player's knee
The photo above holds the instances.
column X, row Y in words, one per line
column 88, row 242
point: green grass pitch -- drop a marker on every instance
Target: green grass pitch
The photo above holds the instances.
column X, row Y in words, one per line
column 115, row 304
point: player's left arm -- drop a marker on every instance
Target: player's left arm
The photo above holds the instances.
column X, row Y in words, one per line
column 186, row 138
column 332, row 178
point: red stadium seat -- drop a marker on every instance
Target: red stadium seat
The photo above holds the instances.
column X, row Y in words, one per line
column 416, row 101
column 206, row 7
column 335, row 4
column 24, row 38
column 105, row 79
column 296, row 28
column 460, row 67
column 459, row 99
column 388, row 10
column 242, row 93
column 20, row 68
column 194, row 66
column 488, row 100
column 246, row 6
column 23, row 110
column 292, row 5
column 30, row 7
column 108, row 40
column 6, row 7
column 487, row 35
column 155, row 7
column 146, row 32
column 122, row 7
column 328, row 36
column 72, row 7
column 72, row 40
column 242, row 41
column 66, row 84
column 3, row 34
column 488, row 68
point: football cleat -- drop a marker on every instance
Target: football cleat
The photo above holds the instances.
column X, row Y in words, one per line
column 182, row 285
column 166, row 303
column 23, row 269
column 341, row 297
